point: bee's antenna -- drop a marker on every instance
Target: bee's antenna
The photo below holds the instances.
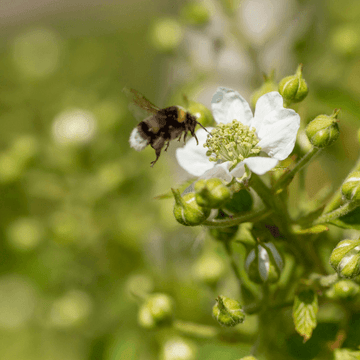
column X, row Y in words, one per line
column 204, row 128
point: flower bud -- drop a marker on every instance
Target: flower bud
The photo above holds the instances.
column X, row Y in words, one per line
column 345, row 258
column 350, row 189
column 268, row 86
column 344, row 289
column 294, row 88
column 211, row 193
column 264, row 264
column 157, row 310
column 323, row 130
column 248, row 358
column 187, row 211
column 228, row 312
column 196, row 14
column 177, row 348
column 203, row 114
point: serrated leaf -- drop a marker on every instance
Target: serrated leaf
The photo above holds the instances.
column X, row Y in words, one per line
column 304, row 313
column 349, row 221
column 345, row 354
column 317, row 229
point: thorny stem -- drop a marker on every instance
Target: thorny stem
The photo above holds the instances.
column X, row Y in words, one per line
column 341, row 211
column 285, row 180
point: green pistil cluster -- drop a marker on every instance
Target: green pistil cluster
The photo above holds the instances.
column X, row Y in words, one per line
column 232, row 142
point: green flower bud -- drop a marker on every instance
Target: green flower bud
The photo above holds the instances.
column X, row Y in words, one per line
column 264, row 264
column 240, row 201
column 187, row 211
column 228, row 312
column 294, row 88
column 323, row 130
column 351, row 187
column 166, row 34
column 203, row 114
column 248, row 358
column 345, row 289
column 157, row 310
column 345, row 258
column 195, row 14
column 268, row 86
column 211, row 193
column 209, row 269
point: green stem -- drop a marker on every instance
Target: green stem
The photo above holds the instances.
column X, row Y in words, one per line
column 196, row 330
column 235, row 269
column 253, row 216
column 341, row 211
column 286, row 179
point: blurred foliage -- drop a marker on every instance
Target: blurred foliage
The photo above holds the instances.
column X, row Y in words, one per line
column 81, row 234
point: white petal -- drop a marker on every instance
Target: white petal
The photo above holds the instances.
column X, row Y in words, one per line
column 220, row 171
column 228, row 105
column 264, row 106
column 277, row 133
column 192, row 157
column 260, row 165
column 238, row 171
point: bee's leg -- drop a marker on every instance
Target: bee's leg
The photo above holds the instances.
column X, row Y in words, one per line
column 197, row 141
column 179, row 138
column 157, row 145
column 167, row 145
column 185, row 133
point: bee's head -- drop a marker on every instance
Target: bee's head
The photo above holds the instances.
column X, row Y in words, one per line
column 192, row 122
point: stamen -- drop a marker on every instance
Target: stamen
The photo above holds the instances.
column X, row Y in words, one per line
column 232, row 142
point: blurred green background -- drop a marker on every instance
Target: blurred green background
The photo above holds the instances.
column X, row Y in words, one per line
column 81, row 232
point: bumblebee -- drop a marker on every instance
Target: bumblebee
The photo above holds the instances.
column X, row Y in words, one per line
column 160, row 126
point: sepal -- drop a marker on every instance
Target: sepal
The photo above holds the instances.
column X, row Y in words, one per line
column 264, row 264
column 350, row 189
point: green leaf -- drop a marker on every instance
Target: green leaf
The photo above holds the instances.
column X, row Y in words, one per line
column 346, row 354
column 317, row 229
column 304, row 313
column 349, row 221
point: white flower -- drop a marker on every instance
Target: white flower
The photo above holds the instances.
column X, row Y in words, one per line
column 240, row 139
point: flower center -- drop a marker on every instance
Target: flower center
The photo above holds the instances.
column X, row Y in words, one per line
column 232, row 142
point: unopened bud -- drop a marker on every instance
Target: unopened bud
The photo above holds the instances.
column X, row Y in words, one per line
column 345, row 258
column 187, row 211
column 323, row 130
column 294, row 88
column 157, row 310
column 248, row 358
column 350, row 189
column 211, row 193
column 202, row 113
column 269, row 85
column 344, row 289
column 228, row 312
column 264, row 264
column 196, row 14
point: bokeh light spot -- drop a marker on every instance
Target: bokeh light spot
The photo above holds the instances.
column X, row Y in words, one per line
column 74, row 126
column 37, row 53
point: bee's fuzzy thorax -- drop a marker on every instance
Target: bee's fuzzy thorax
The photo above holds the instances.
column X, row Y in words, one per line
column 136, row 141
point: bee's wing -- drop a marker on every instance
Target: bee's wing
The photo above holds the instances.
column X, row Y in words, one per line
column 139, row 105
